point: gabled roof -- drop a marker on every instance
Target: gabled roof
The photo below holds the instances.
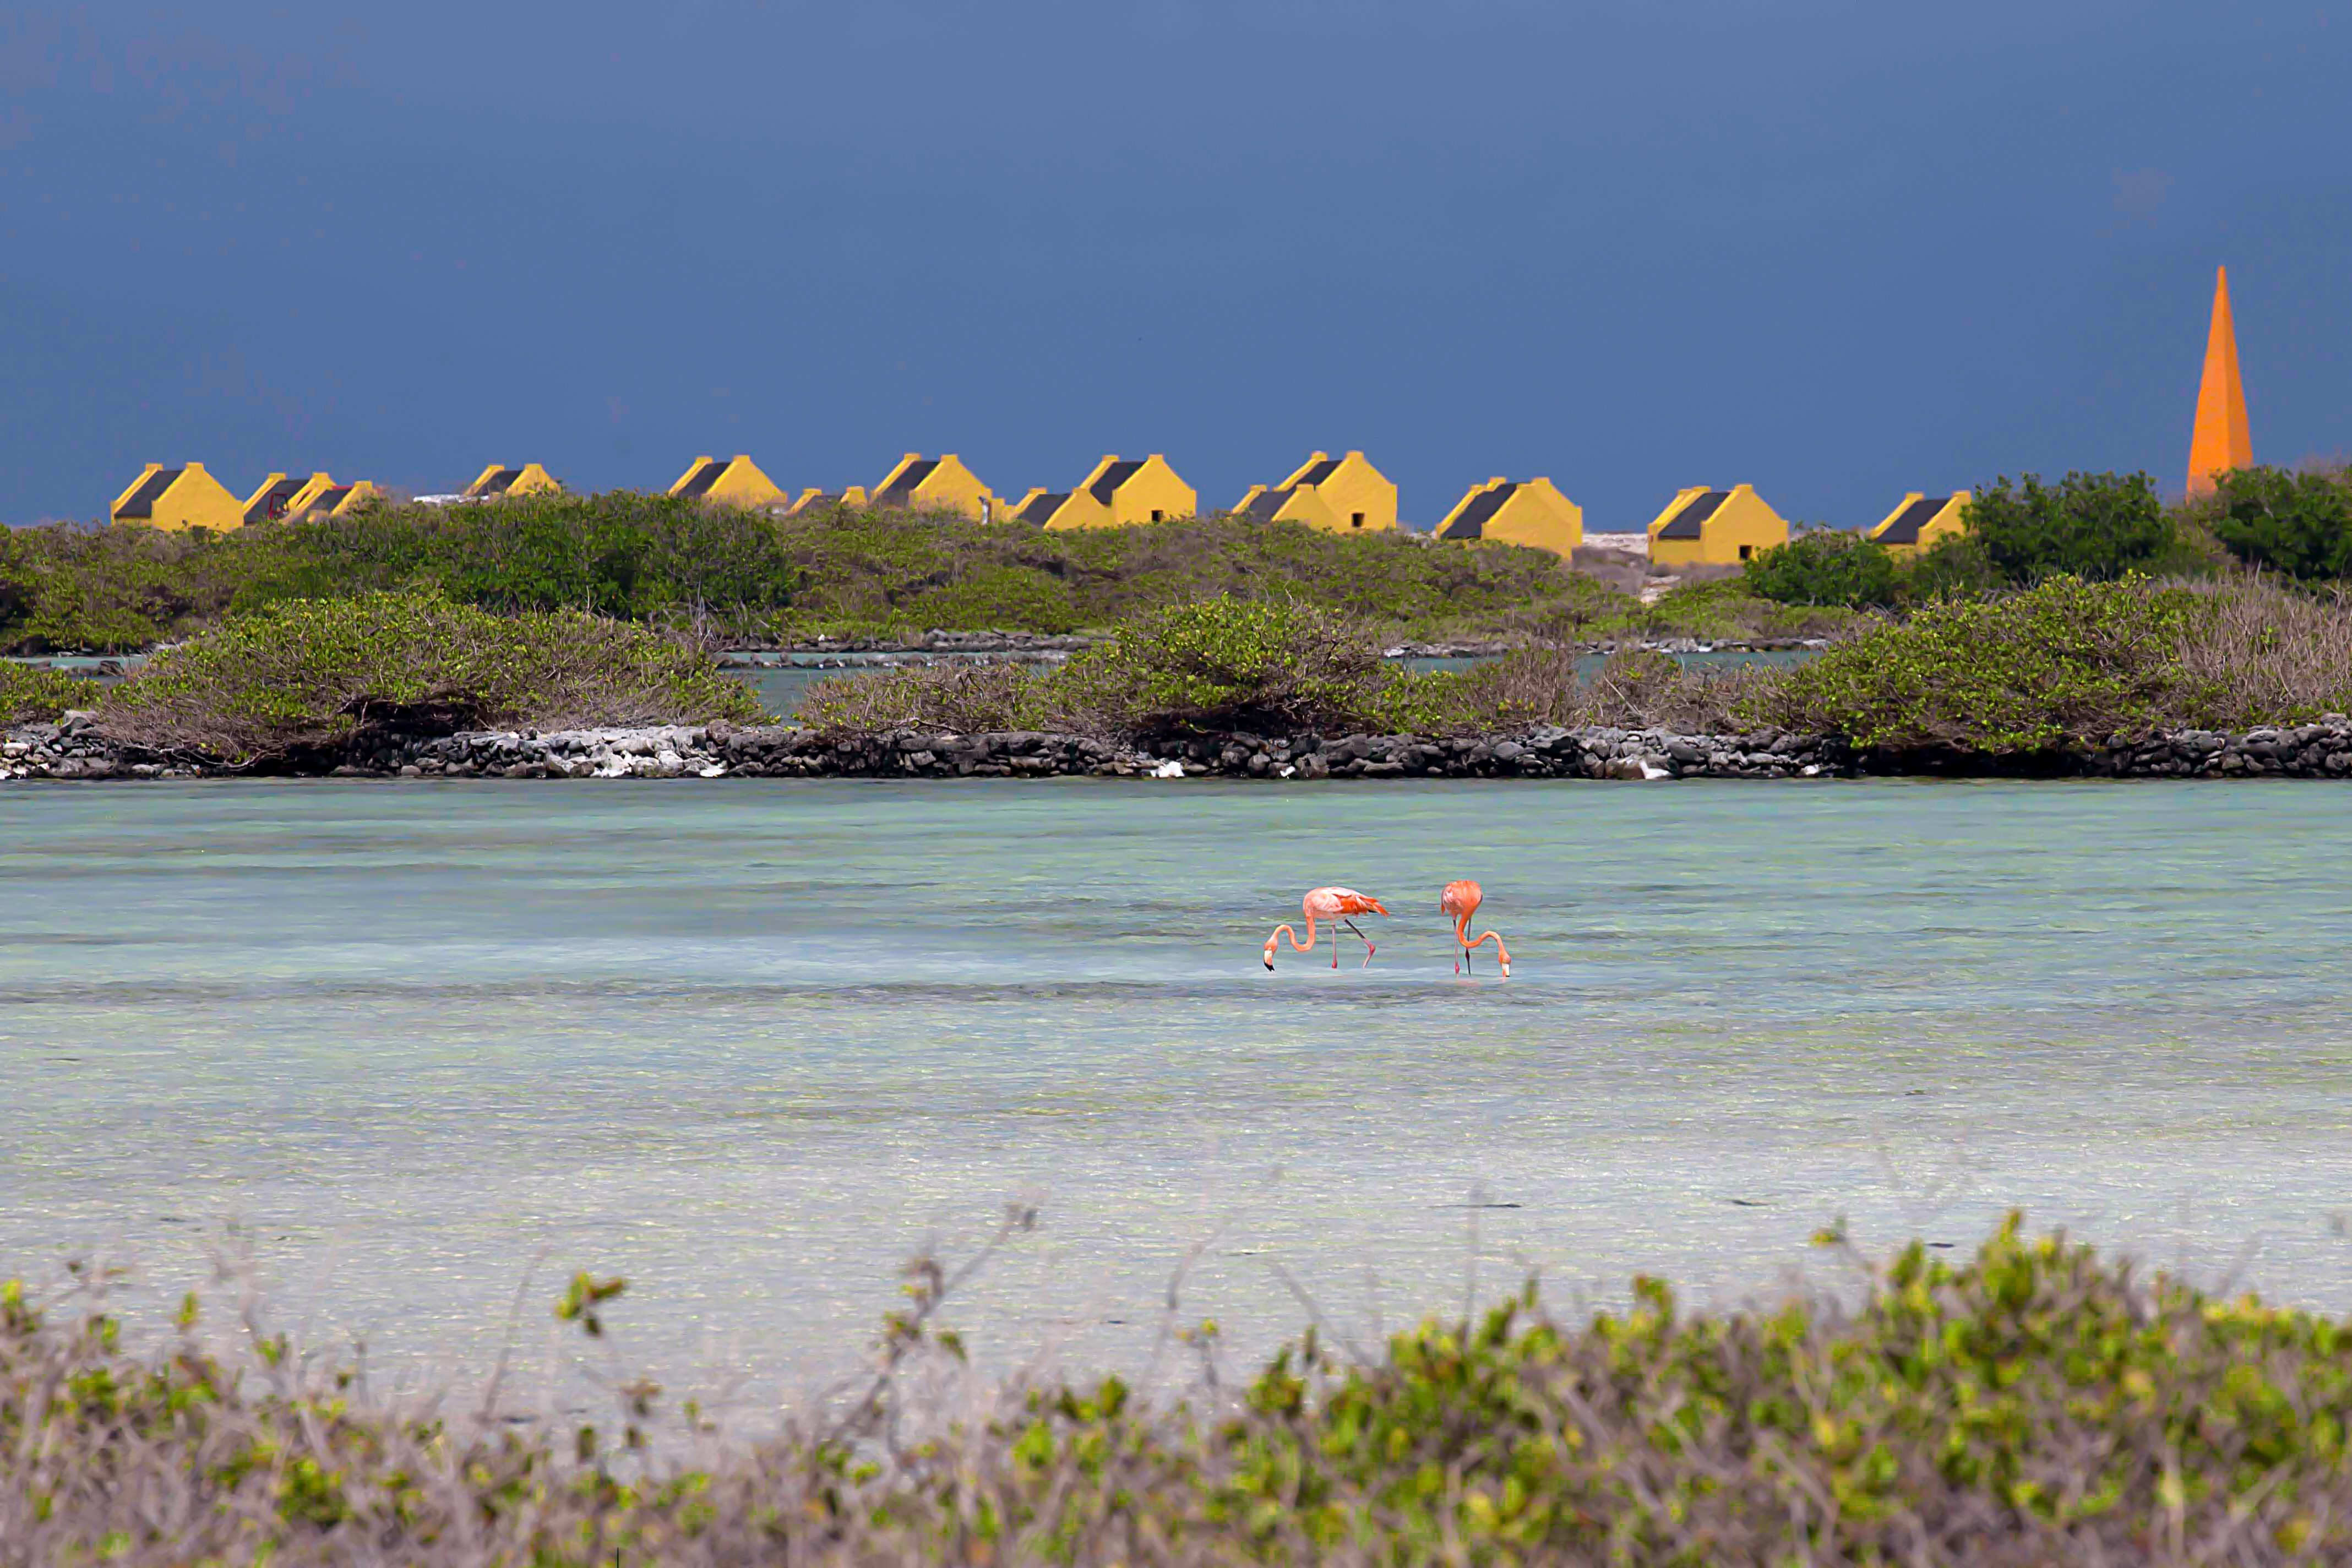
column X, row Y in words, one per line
column 705, row 474
column 903, row 487
column 1687, row 523
column 1041, row 506
column 1317, row 473
column 497, row 482
column 331, row 498
column 1905, row 526
column 1472, row 523
column 140, row 502
column 1267, row 504
column 269, row 500
column 1115, row 475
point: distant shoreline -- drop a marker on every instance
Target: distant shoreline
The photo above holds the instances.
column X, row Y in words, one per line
column 75, row 750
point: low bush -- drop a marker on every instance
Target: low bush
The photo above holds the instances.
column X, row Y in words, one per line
column 307, row 676
column 1827, row 566
column 2070, row 664
column 2297, row 523
column 2034, row 1405
column 747, row 576
column 35, row 696
column 2098, row 527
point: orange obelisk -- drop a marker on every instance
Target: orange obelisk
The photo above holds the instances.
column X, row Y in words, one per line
column 2219, row 442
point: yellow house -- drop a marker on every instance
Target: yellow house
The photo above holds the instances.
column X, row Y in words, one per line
column 1060, row 510
column 814, row 500
column 267, row 504
column 1358, row 495
column 1291, row 503
column 184, row 497
column 933, row 484
column 497, row 481
column 1533, row 512
column 1133, row 490
column 736, row 481
column 320, row 496
column 1921, row 519
column 1701, row 527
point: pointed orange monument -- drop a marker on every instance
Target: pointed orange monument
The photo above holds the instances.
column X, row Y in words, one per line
column 2220, row 442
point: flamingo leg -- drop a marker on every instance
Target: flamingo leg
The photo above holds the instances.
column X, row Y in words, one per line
column 1369, row 948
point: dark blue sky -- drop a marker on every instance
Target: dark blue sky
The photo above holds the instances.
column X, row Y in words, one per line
column 1835, row 250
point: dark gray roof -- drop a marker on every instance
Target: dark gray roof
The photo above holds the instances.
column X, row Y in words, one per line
column 1320, row 471
column 1112, row 478
column 497, row 483
column 904, row 486
column 1904, row 529
column 271, row 502
column 1472, row 523
column 151, row 490
column 330, row 499
column 1685, row 523
column 1042, row 506
column 1267, row 504
column 699, row 482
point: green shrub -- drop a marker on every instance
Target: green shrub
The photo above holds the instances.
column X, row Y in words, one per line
column 37, row 696
column 2032, row 1405
column 1956, row 566
column 2055, row 666
column 2096, row 526
column 1826, row 567
column 314, row 675
column 2300, row 524
column 996, row 599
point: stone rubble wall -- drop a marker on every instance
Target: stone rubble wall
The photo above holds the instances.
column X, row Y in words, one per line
column 74, row 748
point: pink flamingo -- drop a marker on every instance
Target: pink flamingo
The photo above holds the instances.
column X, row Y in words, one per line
column 1333, row 906
column 1462, row 901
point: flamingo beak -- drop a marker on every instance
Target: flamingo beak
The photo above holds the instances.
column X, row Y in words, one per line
column 1507, row 969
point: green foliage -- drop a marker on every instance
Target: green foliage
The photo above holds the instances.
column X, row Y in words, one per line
column 308, row 675
column 2098, row 527
column 37, row 696
column 2034, row 1403
column 2300, row 524
column 1229, row 664
column 2059, row 665
column 1827, row 566
column 1956, row 566
column 748, row 575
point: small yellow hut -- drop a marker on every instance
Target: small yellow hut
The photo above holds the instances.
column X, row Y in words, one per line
column 1290, row 503
column 322, row 497
column 1918, row 521
column 1060, row 509
column 1526, row 512
column 1356, row 494
column 184, row 497
column 814, row 500
column 733, row 481
column 1703, row 527
column 268, row 503
column 1137, row 490
column 497, row 482
column 933, row 484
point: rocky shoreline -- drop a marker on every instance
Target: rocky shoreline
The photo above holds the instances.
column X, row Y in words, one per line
column 76, row 749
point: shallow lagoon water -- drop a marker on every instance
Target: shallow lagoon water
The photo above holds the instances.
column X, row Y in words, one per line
column 749, row 1043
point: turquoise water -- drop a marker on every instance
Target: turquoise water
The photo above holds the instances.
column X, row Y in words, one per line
column 749, row 1043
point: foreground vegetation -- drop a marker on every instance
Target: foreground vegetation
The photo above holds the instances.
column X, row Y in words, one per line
column 2068, row 663
column 2034, row 1404
column 747, row 577
column 318, row 676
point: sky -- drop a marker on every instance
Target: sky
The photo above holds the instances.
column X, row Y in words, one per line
column 1838, row 251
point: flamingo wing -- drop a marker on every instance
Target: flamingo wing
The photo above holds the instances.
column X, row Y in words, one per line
column 1351, row 903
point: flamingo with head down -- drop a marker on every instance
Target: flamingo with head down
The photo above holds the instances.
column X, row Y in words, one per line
column 1333, row 906
column 1461, row 901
